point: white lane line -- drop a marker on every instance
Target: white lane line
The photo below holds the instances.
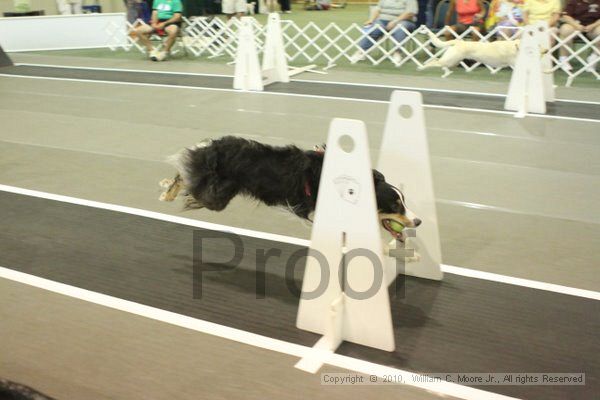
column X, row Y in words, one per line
column 549, row 287
column 290, row 240
column 422, row 89
column 478, row 206
column 296, row 95
column 511, row 113
column 252, row 339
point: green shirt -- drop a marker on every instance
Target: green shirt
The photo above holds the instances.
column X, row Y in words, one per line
column 166, row 8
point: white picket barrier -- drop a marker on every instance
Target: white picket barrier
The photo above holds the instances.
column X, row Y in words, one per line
column 326, row 45
column 345, row 285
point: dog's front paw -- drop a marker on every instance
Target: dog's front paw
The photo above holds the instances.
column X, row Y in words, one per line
column 165, row 183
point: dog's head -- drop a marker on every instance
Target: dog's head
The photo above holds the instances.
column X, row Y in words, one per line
column 392, row 208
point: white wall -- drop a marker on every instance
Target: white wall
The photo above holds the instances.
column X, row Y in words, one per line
column 56, row 32
column 49, row 6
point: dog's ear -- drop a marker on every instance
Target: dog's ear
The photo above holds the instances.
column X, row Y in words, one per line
column 378, row 177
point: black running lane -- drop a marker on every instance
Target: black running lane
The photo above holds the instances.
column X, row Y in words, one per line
column 340, row 90
column 457, row 325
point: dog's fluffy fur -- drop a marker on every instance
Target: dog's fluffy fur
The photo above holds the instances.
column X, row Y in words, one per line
column 213, row 172
column 501, row 53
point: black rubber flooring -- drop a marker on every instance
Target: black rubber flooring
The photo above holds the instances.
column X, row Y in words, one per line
column 5, row 60
column 341, row 90
column 457, row 325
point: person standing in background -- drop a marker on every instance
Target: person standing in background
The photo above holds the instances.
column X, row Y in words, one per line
column 285, row 6
column 542, row 10
column 69, row 7
column 233, row 8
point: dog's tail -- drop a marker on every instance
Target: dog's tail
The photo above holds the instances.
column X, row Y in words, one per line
column 440, row 43
column 182, row 159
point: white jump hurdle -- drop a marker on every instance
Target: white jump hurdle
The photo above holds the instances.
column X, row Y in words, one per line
column 532, row 82
column 345, row 286
column 248, row 74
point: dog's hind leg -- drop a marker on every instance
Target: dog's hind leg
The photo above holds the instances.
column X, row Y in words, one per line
column 191, row 203
column 217, row 196
column 430, row 64
column 173, row 189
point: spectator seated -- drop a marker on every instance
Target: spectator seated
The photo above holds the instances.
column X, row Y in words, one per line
column 470, row 15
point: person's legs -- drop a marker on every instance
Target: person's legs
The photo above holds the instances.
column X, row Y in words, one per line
column 77, row 6
column 64, row 8
column 429, row 13
column 241, row 7
column 593, row 58
column 228, row 8
column 564, row 31
column 171, row 32
column 271, row 5
column 506, row 29
column 400, row 33
column 285, row 6
column 132, row 10
column 143, row 32
column 458, row 29
column 474, row 35
column 374, row 32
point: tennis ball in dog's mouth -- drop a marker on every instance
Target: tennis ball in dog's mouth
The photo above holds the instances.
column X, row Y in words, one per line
column 396, row 226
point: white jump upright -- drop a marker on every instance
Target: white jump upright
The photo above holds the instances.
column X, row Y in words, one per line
column 344, row 291
column 532, row 82
column 404, row 160
column 345, row 286
column 274, row 66
column 247, row 68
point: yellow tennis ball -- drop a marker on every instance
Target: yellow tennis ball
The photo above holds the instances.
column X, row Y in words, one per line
column 396, row 226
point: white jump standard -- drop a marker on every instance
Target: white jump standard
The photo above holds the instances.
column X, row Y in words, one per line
column 345, row 286
column 248, row 73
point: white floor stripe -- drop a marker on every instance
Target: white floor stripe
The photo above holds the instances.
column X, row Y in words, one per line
column 296, row 95
column 337, row 360
column 291, row 240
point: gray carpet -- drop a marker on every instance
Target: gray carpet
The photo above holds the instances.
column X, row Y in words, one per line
column 458, row 325
column 340, row 90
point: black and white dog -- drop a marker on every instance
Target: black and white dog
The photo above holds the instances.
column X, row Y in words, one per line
column 213, row 172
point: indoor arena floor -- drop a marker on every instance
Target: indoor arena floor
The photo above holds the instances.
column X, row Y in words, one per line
column 515, row 197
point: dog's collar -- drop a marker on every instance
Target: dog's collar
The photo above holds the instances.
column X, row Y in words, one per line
column 307, row 190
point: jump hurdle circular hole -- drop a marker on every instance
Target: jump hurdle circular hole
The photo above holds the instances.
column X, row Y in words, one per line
column 346, row 143
column 405, row 111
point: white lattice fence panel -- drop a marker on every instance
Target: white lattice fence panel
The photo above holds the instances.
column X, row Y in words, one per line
column 214, row 37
